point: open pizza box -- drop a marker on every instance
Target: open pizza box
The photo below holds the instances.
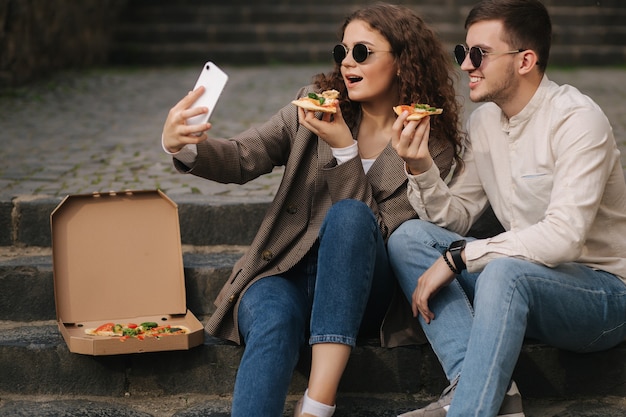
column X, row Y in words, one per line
column 117, row 258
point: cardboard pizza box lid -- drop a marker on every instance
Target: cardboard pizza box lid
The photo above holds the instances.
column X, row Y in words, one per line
column 118, row 256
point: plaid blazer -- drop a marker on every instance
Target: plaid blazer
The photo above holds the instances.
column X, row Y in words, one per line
column 311, row 183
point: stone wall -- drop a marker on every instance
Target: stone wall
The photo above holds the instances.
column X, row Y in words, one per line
column 39, row 36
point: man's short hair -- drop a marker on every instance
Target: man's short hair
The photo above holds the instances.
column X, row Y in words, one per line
column 527, row 24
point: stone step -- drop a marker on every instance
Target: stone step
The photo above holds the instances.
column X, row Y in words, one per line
column 39, row 374
column 25, row 221
column 244, row 32
column 34, row 359
column 27, row 282
column 257, row 24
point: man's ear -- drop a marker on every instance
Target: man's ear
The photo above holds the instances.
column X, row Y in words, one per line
column 528, row 61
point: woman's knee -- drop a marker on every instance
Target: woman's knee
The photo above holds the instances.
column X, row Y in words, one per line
column 349, row 212
column 271, row 313
column 349, row 219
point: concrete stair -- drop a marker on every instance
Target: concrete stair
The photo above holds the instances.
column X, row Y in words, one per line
column 161, row 32
column 39, row 376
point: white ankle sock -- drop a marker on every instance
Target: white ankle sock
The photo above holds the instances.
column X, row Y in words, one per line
column 310, row 406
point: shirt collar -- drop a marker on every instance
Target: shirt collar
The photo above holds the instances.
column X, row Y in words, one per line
column 529, row 110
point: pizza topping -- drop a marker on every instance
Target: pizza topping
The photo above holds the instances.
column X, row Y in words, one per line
column 426, row 107
column 417, row 110
column 141, row 331
column 106, row 327
column 327, row 98
column 320, row 100
column 324, row 102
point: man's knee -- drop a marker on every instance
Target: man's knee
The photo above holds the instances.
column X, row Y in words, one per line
column 501, row 274
column 410, row 232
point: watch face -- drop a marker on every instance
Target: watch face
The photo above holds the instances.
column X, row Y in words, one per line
column 455, row 250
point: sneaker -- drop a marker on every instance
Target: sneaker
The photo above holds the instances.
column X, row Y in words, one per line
column 511, row 405
column 437, row 409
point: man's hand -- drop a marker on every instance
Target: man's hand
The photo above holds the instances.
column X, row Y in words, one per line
column 436, row 277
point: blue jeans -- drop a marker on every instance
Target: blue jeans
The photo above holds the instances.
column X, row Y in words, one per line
column 481, row 319
column 326, row 297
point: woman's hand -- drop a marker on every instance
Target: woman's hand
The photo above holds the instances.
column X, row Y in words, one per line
column 332, row 129
column 410, row 140
column 429, row 284
column 176, row 132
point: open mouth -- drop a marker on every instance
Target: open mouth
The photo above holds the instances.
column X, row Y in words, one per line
column 353, row 79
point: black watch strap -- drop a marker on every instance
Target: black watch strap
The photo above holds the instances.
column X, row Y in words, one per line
column 452, row 268
column 455, row 249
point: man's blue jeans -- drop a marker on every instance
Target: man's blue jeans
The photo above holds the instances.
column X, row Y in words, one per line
column 326, row 297
column 481, row 319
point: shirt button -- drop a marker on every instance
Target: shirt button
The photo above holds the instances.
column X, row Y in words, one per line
column 267, row 255
column 292, row 209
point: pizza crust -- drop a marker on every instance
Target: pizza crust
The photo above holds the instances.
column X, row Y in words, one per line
column 93, row 332
column 309, row 105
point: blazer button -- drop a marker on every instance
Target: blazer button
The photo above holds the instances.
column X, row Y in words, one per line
column 292, row 209
column 231, row 299
column 267, row 255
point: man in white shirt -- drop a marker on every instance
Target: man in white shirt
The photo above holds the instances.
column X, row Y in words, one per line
column 544, row 158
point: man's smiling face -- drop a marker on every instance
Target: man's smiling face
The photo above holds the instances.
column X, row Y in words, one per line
column 496, row 78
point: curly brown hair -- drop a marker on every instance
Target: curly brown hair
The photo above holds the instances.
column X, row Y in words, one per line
column 426, row 71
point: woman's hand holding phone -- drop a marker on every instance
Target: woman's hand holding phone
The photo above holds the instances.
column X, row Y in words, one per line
column 187, row 121
column 176, row 132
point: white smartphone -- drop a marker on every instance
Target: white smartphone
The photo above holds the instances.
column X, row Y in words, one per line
column 213, row 79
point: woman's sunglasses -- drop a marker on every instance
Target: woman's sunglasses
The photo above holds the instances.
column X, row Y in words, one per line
column 476, row 54
column 360, row 52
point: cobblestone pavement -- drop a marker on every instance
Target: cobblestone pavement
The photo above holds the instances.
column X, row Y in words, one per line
column 99, row 130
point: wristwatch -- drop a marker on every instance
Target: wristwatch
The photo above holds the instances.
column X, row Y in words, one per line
column 455, row 250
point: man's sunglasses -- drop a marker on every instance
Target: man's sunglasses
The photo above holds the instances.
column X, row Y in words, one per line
column 476, row 54
column 360, row 52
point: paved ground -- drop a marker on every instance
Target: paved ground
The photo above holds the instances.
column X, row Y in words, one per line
column 80, row 132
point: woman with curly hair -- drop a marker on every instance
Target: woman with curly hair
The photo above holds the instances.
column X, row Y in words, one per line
column 317, row 272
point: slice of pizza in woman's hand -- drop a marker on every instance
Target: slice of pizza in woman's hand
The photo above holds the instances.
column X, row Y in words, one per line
column 417, row 111
column 141, row 331
column 324, row 102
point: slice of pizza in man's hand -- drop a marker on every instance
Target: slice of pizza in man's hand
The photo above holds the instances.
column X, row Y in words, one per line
column 324, row 102
column 417, row 111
